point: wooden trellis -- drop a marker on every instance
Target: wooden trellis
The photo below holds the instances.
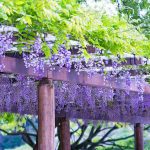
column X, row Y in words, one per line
column 46, row 101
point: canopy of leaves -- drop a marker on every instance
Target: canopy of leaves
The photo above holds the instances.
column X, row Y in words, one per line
column 67, row 19
column 137, row 12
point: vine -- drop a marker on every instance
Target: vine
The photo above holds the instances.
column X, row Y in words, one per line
column 68, row 20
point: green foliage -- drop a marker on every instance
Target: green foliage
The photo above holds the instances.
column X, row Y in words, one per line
column 117, row 36
column 138, row 13
column 67, row 17
column 11, row 122
column 45, row 49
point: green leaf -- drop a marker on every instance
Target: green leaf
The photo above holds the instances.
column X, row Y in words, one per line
column 86, row 54
column 20, row 46
column 46, row 50
column 27, row 20
column 20, row 27
column 19, row 2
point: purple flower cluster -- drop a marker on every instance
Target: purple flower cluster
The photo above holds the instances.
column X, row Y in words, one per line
column 33, row 59
column 140, row 86
column 74, row 100
column 5, row 42
column 127, row 78
column 64, row 58
column 77, row 100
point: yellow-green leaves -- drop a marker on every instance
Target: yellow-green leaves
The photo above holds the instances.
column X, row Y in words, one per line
column 10, row 122
column 27, row 20
column 86, row 54
column 46, row 50
column 19, row 2
column 67, row 18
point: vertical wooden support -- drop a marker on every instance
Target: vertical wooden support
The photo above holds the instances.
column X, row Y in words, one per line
column 64, row 129
column 138, row 132
column 46, row 113
column 35, row 147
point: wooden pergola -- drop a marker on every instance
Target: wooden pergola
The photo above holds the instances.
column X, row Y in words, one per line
column 46, row 100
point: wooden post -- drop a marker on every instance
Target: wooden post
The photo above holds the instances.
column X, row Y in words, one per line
column 64, row 134
column 46, row 113
column 35, row 147
column 138, row 132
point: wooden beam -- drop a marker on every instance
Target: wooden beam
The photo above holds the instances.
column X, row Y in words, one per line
column 64, row 129
column 46, row 114
column 138, row 132
column 95, row 80
column 129, row 59
column 16, row 66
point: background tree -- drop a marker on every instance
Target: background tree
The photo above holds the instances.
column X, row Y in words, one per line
column 83, row 135
column 137, row 12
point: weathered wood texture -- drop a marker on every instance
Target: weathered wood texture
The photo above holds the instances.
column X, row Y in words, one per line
column 46, row 113
column 138, row 132
column 16, row 66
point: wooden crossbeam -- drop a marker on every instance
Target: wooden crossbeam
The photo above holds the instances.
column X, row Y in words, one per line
column 16, row 66
column 128, row 59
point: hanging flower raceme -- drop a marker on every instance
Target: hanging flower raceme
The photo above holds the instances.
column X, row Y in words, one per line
column 17, row 92
column 6, row 42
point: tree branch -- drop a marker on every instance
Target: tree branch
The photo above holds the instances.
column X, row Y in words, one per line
column 18, row 133
column 119, row 139
column 32, row 124
column 83, row 129
column 93, row 145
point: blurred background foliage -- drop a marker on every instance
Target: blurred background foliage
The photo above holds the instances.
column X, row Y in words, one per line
column 84, row 135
